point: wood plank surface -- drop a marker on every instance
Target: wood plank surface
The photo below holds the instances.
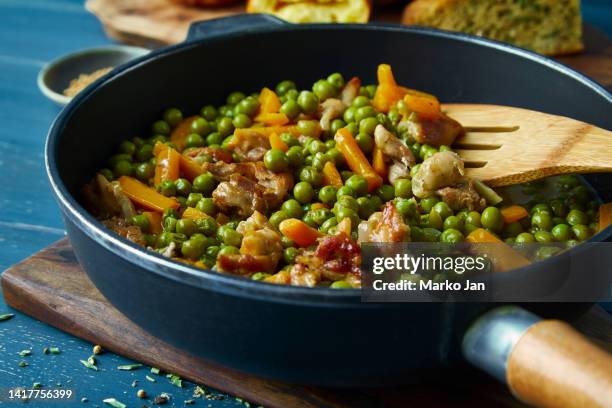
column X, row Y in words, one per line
column 50, row 286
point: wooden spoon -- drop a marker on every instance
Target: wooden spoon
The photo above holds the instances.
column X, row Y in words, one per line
column 504, row 145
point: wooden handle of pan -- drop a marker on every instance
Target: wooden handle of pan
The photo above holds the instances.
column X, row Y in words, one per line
column 552, row 365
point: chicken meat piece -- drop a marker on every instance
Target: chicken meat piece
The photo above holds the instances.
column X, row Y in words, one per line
column 441, row 170
column 249, row 145
column 207, row 154
column 462, row 196
column 329, row 110
column 350, row 91
column 385, row 226
column 105, row 199
column 434, row 132
column 240, row 194
column 260, row 251
column 122, row 227
column 398, row 170
column 392, row 147
column 302, row 274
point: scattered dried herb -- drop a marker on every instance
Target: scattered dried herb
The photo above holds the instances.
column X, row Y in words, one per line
column 54, row 350
column 161, row 399
column 6, row 316
column 84, row 399
column 150, row 378
column 36, row 385
column 199, row 391
column 46, row 350
column 175, row 380
column 155, row 370
column 114, row 403
column 24, row 353
column 91, row 360
column 23, row 364
column 189, row 402
column 89, row 365
column 134, row 383
column 129, row 367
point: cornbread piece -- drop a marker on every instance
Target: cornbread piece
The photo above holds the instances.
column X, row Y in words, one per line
column 550, row 27
column 314, row 11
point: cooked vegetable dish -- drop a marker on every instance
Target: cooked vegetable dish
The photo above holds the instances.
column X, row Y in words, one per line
column 285, row 185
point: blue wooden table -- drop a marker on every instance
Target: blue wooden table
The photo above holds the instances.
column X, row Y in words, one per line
column 33, row 32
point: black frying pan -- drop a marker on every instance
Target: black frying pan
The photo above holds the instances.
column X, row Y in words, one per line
column 318, row 336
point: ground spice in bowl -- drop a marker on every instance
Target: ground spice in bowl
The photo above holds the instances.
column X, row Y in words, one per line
column 84, row 80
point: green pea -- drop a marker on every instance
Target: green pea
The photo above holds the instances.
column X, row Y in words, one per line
column 284, row 86
column 427, row 151
column 193, row 198
column 364, row 112
column 193, row 249
column 358, row 184
column 336, row 79
column 229, row 236
column 183, row 187
column 345, row 191
column 214, row 138
column 312, row 176
column 303, row 192
column 340, row 285
column 194, row 140
column 336, row 125
column 320, row 215
column 164, row 239
column 469, row 228
column 122, row 168
column 167, row 188
column 225, row 127
column 403, row 188
column 295, row 157
column 209, row 112
column 157, row 139
column 561, row 232
column 360, row 101
column 291, row 108
column 308, row 218
column 428, row 203
column 204, row 183
column 335, row 156
column 286, row 242
column 182, row 201
column 376, row 202
column 316, row 146
column 200, row 126
column 169, row 224
column 345, row 212
column 276, row 160
column 127, row 147
column 575, row 217
column 365, row 142
column 235, row 97
column 141, row 221
column 308, row 102
column 289, row 140
column 581, row 232
column 512, row 229
column 434, row 220
column 107, row 173
column 144, row 171
column 543, row 236
column 161, row 127
column 323, row 89
column 473, row 218
column 319, row 160
column 407, row 208
column 431, row 235
column 492, row 219
column 228, row 250
column 248, row 106
column 451, row 236
column 452, row 222
column 277, row 217
column 365, row 207
column 212, row 251
column 346, row 174
column 144, row 152
column 327, row 194
column 542, row 220
column 559, row 208
column 347, row 201
column 186, row 226
column 540, row 208
column 442, row 209
column 349, row 115
column 308, row 127
column 171, row 212
column 289, row 255
column 353, row 128
column 386, row 192
column 207, row 226
column 241, row 121
column 206, row 205
column 292, row 208
column 332, row 222
column 546, row 252
column 368, row 125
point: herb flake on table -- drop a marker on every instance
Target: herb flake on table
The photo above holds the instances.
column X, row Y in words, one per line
column 36, row 385
column 161, row 399
column 114, row 403
column 23, row 364
column 129, row 367
column 155, row 370
column 25, row 353
column 149, row 378
column 54, row 350
column 175, row 380
column 89, row 365
column 6, row 316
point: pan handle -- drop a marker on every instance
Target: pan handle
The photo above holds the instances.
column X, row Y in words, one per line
column 545, row 363
column 231, row 24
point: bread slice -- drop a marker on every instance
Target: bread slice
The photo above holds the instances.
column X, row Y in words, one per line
column 314, row 11
column 550, row 27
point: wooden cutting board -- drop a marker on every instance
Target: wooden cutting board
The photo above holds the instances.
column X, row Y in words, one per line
column 51, row 287
column 153, row 23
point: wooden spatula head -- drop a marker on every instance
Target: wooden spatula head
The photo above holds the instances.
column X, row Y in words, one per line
column 505, row 145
